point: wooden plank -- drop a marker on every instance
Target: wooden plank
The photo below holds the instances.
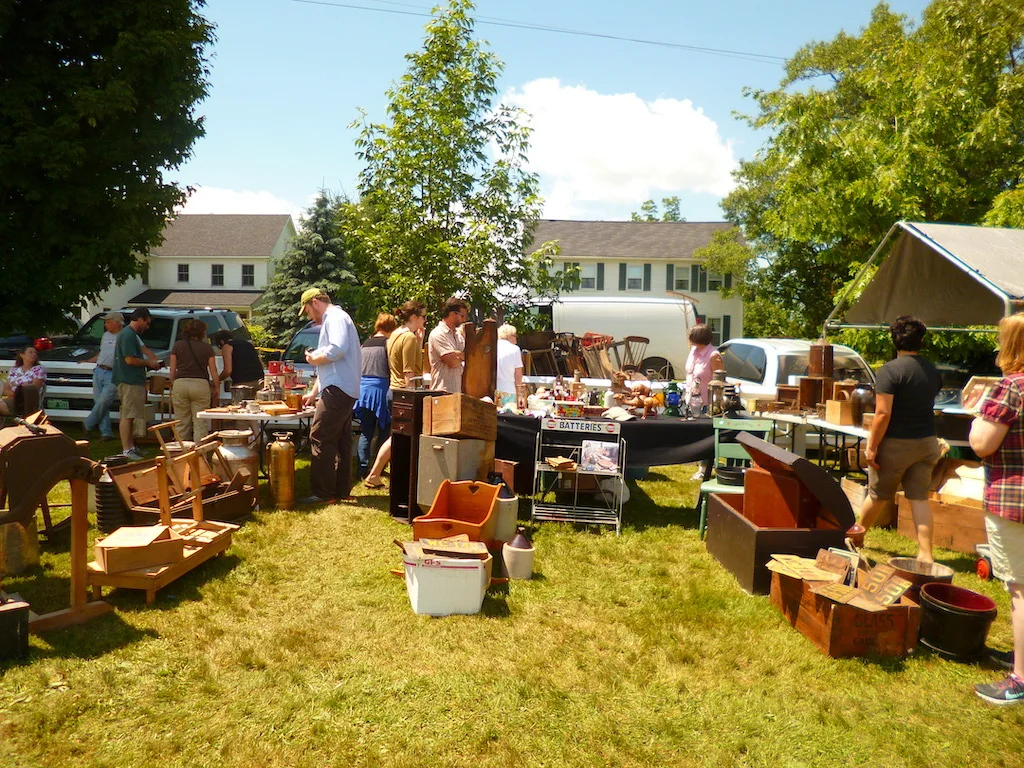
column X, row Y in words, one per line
column 68, row 617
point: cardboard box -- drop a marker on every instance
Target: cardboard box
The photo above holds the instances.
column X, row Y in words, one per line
column 957, row 523
column 842, row 631
column 132, row 548
column 442, row 584
column 839, row 412
column 460, row 416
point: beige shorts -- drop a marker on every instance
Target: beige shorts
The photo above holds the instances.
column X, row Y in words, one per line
column 1006, row 546
column 909, row 461
column 133, row 401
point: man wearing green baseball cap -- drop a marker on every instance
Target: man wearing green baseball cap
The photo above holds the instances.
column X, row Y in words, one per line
column 338, row 362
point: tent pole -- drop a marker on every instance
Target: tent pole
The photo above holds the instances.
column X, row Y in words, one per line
column 858, row 278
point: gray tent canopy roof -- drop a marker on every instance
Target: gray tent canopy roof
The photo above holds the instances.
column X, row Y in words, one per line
column 949, row 275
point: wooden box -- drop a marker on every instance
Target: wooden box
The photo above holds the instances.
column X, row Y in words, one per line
column 957, row 523
column 839, row 412
column 127, row 549
column 785, row 393
column 803, row 506
column 460, row 416
column 843, row 631
column 813, row 391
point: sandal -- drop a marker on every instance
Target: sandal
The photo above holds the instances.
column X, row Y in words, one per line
column 367, row 482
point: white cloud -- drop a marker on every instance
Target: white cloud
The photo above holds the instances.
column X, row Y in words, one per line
column 217, row 200
column 593, row 149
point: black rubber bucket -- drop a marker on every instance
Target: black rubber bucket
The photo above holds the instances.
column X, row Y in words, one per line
column 955, row 621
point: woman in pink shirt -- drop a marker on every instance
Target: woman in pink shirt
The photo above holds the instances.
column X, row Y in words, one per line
column 702, row 361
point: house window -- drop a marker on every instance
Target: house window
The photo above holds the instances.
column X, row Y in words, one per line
column 715, row 324
column 682, row 279
column 715, row 280
column 217, row 274
column 588, row 277
column 145, row 273
column 248, row 275
column 183, row 273
column 635, row 277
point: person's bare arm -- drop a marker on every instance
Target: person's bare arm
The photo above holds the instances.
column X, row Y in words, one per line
column 214, row 383
column 986, row 436
column 226, row 354
column 883, row 413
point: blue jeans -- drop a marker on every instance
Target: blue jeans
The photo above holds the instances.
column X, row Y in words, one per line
column 104, row 393
column 367, row 428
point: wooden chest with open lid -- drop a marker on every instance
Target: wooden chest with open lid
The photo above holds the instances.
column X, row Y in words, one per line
column 788, row 506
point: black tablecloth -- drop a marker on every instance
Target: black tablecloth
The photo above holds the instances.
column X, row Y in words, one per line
column 649, row 442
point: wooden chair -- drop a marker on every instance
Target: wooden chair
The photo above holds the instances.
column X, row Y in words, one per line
column 160, row 385
column 728, row 452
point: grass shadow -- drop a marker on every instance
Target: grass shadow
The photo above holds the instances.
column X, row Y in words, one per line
column 185, row 589
column 643, row 512
column 91, row 640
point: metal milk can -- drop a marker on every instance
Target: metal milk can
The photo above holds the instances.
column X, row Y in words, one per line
column 281, row 466
column 237, row 453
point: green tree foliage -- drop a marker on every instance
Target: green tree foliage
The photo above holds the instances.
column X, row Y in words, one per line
column 649, row 211
column 1007, row 209
column 900, row 122
column 319, row 256
column 447, row 204
column 97, row 101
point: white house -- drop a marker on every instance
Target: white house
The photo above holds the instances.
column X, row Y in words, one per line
column 647, row 259
column 208, row 260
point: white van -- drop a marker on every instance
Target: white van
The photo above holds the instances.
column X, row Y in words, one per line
column 665, row 322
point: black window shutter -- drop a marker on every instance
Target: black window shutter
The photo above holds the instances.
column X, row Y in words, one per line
column 670, row 277
column 728, row 280
column 726, row 323
column 622, row 277
column 694, row 278
column 600, row 276
column 703, row 280
column 647, row 277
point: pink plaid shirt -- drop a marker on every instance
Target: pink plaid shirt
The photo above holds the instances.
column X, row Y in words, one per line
column 1004, row 469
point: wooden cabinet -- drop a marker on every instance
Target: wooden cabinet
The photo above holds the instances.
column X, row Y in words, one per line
column 406, row 427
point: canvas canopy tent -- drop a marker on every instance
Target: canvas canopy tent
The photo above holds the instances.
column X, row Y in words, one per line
column 949, row 275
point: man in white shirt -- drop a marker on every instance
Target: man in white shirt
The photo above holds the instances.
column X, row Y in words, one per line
column 338, row 362
column 446, row 347
column 104, row 390
column 510, row 367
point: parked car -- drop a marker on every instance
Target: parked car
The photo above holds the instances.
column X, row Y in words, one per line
column 68, row 394
column 305, row 338
column 758, row 366
column 55, row 334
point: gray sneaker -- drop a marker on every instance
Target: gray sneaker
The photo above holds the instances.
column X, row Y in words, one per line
column 133, row 454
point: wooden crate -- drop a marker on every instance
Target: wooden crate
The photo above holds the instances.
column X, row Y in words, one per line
column 839, row 412
column 957, row 524
column 842, row 631
column 460, row 416
column 129, row 548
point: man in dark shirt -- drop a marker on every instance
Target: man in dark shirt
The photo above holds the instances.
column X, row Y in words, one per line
column 902, row 446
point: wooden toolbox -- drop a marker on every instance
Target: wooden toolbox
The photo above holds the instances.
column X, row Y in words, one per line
column 843, row 631
column 957, row 523
column 460, row 416
column 129, row 548
column 789, row 506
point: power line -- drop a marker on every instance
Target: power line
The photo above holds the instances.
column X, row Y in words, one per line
column 759, row 58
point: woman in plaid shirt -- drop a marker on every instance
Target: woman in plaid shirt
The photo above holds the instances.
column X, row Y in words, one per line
column 997, row 436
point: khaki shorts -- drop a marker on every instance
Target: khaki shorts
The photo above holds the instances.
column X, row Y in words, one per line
column 133, row 401
column 1006, row 546
column 909, row 461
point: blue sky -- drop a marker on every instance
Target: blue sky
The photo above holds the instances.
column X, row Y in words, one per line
column 615, row 122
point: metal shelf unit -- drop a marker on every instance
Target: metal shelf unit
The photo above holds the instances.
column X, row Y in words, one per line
column 557, row 494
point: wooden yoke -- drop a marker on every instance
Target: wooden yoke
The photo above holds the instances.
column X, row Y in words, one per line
column 480, row 374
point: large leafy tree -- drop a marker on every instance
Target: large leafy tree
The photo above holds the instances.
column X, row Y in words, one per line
column 920, row 123
column 447, row 204
column 319, row 256
column 97, row 101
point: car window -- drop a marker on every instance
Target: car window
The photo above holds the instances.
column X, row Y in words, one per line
column 847, row 366
column 743, row 361
column 212, row 324
column 793, row 364
column 91, row 332
column 159, row 334
column 304, row 339
column 233, row 321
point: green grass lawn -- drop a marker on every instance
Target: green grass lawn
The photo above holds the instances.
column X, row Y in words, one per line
column 299, row 648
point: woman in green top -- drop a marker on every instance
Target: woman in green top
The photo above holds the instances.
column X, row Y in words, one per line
column 405, row 360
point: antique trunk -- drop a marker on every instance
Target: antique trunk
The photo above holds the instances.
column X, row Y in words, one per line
column 806, row 509
column 957, row 524
column 460, row 416
column 406, row 427
column 843, row 630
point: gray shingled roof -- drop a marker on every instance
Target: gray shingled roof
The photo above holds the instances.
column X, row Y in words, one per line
column 627, row 239
column 222, row 235
column 154, row 297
